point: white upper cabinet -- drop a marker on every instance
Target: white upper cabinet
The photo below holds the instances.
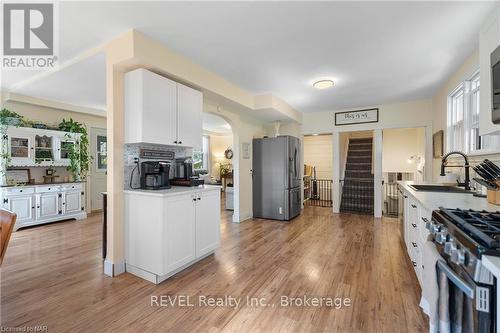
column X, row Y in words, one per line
column 189, row 109
column 161, row 111
column 489, row 40
column 39, row 147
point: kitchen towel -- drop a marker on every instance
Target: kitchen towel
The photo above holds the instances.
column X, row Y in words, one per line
column 444, row 302
column 430, row 289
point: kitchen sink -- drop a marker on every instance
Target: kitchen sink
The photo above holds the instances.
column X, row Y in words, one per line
column 439, row 188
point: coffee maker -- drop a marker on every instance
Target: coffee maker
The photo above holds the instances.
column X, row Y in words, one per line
column 155, row 175
column 184, row 168
column 184, row 173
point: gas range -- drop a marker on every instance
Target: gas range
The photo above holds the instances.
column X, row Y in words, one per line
column 463, row 236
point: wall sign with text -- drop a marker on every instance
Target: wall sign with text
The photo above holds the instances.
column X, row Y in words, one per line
column 356, row 117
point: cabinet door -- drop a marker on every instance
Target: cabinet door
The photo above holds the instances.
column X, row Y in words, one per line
column 72, row 202
column 189, row 114
column 65, row 145
column 150, row 108
column 23, row 206
column 20, row 147
column 207, row 222
column 48, row 205
column 180, row 231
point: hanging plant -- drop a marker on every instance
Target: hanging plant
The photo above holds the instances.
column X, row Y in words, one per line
column 79, row 154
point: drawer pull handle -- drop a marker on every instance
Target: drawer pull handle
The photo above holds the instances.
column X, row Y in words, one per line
column 414, row 244
column 20, row 190
column 414, row 225
column 414, row 206
column 414, row 263
column 425, row 219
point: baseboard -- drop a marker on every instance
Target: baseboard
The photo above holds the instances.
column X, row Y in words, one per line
column 238, row 218
column 114, row 269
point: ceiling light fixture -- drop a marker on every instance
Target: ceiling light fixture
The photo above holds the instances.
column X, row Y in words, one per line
column 323, row 84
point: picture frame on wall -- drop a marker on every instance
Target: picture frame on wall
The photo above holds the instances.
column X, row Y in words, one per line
column 437, row 144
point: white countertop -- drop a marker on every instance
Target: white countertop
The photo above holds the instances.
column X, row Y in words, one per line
column 175, row 190
column 434, row 200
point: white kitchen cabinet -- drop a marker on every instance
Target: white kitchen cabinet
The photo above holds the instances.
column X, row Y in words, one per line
column 167, row 231
column 48, row 205
column 23, row 206
column 161, row 111
column 39, row 204
column 489, row 40
column 207, row 223
column 180, row 231
column 72, row 202
column 20, row 146
column 189, row 115
column 150, row 108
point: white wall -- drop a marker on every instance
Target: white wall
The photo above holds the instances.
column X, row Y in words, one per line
column 318, row 153
column 398, row 146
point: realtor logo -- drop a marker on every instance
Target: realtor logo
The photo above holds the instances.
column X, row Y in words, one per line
column 29, row 36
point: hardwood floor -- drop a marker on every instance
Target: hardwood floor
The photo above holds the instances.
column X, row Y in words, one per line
column 52, row 275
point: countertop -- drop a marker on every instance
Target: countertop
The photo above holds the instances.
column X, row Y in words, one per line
column 42, row 184
column 434, row 200
column 175, row 190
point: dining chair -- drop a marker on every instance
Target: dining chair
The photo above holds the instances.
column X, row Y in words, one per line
column 7, row 222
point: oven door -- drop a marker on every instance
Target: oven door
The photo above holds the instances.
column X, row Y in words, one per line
column 470, row 305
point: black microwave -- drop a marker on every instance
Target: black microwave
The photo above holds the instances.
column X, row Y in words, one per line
column 495, row 85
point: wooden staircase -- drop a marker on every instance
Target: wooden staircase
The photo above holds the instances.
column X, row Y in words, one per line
column 357, row 187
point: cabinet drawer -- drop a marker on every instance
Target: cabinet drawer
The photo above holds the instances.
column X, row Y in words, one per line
column 48, row 188
column 19, row 190
column 71, row 187
column 424, row 217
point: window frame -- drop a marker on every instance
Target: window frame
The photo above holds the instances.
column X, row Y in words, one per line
column 469, row 123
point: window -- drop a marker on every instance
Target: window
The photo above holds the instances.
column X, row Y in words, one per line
column 201, row 157
column 456, row 119
column 102, row 153
column 463, row 121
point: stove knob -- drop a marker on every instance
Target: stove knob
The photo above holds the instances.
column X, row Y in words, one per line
column 450, row 247
column 441, row 237
column 435, row 229
column 458, row 257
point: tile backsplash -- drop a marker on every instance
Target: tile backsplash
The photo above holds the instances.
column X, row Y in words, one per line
column 131, row 150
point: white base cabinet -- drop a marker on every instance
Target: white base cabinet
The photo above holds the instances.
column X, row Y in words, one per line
column 415, row 231
column 166, row 233
column 39, row 204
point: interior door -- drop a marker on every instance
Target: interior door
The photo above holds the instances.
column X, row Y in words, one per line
column 99, row 175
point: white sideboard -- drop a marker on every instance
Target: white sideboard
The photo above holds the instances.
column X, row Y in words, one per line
column 39, row 204
column 169, row 230
column 161, row 111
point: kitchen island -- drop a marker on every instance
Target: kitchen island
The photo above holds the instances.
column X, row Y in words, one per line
column 168, row 230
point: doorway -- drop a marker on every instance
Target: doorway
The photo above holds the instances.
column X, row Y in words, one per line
column 98, row 146
column 318, row 170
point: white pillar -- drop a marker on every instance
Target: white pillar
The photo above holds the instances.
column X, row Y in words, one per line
column 336, row 172
column 429, row 155
column 377, row 172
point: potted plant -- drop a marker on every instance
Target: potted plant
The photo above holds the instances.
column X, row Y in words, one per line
column 10, row 118
column 79, row 154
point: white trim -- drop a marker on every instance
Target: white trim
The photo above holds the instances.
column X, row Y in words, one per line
column 113, row 269
column 377, row 173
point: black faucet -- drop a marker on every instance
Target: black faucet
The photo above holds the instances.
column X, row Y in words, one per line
column 466, row 183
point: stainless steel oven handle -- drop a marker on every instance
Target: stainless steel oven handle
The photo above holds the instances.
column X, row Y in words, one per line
column 456, row 279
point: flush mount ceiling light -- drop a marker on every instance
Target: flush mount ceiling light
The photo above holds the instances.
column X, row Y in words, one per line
column 323, row 84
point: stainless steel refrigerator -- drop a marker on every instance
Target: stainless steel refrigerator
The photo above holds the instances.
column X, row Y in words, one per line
column 276, row 178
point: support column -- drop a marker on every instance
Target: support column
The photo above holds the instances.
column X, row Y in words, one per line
column 336, row 195
column 377, row 173
column 115, row 260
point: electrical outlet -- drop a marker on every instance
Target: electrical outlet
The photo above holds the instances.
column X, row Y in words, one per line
column 132, row 159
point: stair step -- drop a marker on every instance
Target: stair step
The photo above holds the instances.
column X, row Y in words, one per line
column 361, row 140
